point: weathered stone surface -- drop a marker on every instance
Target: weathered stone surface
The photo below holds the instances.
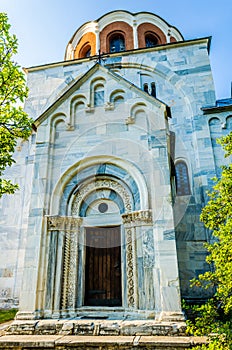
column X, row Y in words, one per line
column 22, row 327
column 83, row 328
column 100, row 342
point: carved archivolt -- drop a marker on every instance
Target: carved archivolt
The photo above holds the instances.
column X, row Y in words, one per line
column 101, row 184
column 141, row 217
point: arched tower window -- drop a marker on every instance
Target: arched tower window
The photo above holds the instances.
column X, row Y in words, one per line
column 117, row 43
column 85, row 51
column 145, row 87
column 182, row 179
column 153, row 89
column 151, row 40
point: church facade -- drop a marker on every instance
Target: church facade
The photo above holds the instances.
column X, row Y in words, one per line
column 114, row 176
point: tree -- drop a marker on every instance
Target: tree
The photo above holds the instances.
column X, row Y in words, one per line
column 14, row 122
column 215, row 317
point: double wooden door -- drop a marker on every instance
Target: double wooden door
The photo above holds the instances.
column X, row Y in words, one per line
column 103, row 266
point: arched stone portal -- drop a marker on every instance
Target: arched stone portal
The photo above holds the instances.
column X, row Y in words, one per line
column 93, row 248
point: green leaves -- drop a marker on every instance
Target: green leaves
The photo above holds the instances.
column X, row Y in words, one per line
column 14, row 122
column 216, row 315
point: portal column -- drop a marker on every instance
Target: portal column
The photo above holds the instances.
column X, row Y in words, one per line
column 66, row 264
column 133, row 222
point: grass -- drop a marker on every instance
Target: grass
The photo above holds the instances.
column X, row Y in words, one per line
column 7, row 315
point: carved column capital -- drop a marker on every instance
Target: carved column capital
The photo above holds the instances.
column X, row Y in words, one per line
column 63, row 223
column 135, row 218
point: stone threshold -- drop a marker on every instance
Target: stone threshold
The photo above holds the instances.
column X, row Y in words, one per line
column 59, row 342
column 95, row 327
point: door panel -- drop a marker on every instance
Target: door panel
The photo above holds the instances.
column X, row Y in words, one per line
column 103, row 266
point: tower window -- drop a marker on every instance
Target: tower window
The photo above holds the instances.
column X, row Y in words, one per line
column 182, row 179
column 85, row 51
column 151, row 40
column 117, row 43
column 145, row 87
column 153, row 89
column 88, row 53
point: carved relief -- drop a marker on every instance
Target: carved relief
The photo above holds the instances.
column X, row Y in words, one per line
column 61, row 223
column 65, row 270
column 141, row 217
column 106, row 183
column 148, row 249
column 70, row 226
column 72, row 271
column 132, row 295
column 109, row 106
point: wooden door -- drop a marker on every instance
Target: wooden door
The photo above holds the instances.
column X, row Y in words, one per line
column 103, row 266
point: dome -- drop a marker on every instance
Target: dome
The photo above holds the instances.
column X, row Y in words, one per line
column 119, row 31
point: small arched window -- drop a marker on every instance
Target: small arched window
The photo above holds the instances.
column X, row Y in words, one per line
column 153, row 89
column 99, row 95
column 145, row 87
column 117, row 43
column 85, row 51
column 182, row 179
column 151, row 40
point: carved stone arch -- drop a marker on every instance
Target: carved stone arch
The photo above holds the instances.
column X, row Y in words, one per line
column 97, row 91
column 139, row 115
column 68, row 180
column 117, row 96
column 214, row 121
column 76, row 102
column 100, row 183
column 55, row 120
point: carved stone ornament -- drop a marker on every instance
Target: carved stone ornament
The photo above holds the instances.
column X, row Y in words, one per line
column 132, row 293
column 148, row 249
column 101, row 184
column 70, row 267
column 109, row 106
column 141, row 217
column 63, row 223
column 129, row 120
column 89, row 109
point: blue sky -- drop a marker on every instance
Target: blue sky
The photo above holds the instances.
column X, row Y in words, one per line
column 44, row 27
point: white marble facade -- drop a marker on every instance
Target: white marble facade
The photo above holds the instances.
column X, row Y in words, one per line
column 103, row 141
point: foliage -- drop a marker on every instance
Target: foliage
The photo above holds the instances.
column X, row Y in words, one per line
column 215, row 317
column 7, row 315
column 14, row 122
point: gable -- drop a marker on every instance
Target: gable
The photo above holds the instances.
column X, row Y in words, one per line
column 99, row 87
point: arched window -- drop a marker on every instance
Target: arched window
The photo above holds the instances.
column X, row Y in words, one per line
column 99, row 95
column 145, row 87
column 85, row 51
column 182, row 179
column 117, row 43
column 153, row 89
column 150, row 40
column 88, row 53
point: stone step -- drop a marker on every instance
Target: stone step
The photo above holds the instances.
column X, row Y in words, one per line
column 59, row 342
column 92, row 327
